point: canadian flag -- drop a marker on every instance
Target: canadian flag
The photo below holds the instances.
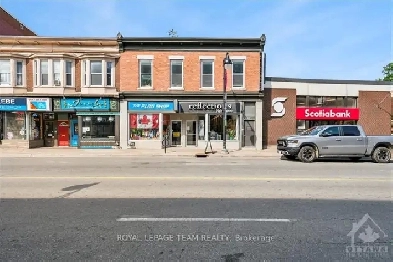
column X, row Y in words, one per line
column 142, row 121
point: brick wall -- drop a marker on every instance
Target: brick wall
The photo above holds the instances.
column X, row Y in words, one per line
column 129, row 70
column 375, row 112
column 29, row 75
column 11, row 26
column 275, row 127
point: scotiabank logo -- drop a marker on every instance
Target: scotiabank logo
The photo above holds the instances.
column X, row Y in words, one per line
column 318, row 113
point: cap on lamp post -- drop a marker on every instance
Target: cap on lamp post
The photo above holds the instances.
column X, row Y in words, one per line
column 227, row 61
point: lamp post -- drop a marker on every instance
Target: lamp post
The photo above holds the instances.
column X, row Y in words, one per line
column 227, row 63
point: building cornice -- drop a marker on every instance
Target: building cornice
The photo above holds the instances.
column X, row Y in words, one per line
column 57, row 41
column 190, row 43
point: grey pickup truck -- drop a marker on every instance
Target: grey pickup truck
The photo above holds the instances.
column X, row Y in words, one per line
column 336, row 141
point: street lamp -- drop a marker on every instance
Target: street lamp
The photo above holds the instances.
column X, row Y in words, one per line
column 227, row 63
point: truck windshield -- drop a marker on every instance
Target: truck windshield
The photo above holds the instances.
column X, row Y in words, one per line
column 312, row 131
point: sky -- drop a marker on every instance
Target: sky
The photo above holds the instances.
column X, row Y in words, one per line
column 328, row 39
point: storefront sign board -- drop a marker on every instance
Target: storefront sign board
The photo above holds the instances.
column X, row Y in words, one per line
column 323, row 113
column 39, row 104
column 83, row 104
column 157, row 106
column 13, row 104
column 208, row 107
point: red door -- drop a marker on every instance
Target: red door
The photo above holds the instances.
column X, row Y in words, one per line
column 63, row 133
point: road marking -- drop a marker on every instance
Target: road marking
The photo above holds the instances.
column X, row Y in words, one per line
column 237, row 178
column 197, row 219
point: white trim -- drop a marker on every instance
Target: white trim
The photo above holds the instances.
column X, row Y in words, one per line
column 10, row 70
column 139, row 74
column 176, row 57
column 145, row 57
column 51, row 80
column 182, row 74
column 244, row 75
column 205, row 57
column 201, row 74
column 238, row 57
column 328, row 89
column 85, row 70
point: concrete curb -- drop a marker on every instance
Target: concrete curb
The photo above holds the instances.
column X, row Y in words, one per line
column 131, row 156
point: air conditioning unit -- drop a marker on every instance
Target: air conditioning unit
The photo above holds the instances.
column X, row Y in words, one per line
column 57, row 82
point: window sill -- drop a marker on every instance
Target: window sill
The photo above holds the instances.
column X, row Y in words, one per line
column 98, row 87
column 207, row 88
column 145, row 88
column 238, row 88
column 176, row 88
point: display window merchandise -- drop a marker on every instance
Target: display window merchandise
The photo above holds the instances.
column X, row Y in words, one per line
column 144, row 126
column 98, row 126
column 13, row 126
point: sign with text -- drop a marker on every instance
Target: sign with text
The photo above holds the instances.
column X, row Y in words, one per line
column 39, row 104
column 158, row 106
column 208, row 107
column 83, row 104
column 324, row 113
column 12, row 104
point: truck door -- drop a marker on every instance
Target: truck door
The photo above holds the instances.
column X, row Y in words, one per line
column 352, row 141
column 330, row 142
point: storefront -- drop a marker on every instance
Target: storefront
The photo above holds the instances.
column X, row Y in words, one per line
column 22, row 121
column 147, row 123
column 201, row 122
column 87, row 122
column 307, row 117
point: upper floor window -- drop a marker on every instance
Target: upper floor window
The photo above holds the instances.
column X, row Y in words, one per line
column 97, row 73
column 12, row 72
column 207, row 74
column 54, row 72
column 145, row 73
column 238, row 74
column 177, row 73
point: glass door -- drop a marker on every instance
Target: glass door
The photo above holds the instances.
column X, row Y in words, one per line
column 74, row 139
column 191, row 132
column 176, row 133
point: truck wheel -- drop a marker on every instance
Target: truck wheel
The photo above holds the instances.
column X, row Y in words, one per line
column 307, row 154
column 381, row 155
column 290, row 157
column 355, row 159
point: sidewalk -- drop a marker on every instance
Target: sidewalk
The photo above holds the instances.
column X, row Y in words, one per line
column 180, row 152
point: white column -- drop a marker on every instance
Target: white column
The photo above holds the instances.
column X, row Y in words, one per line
column 258, row 125
column 160, row 126
column 27, row 130
column 206, row 127
column 123, row 125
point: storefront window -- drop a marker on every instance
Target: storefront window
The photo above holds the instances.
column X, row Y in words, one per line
column 329, row 101
column 98, row 126
column 300, row 101
column 166, row 124
column 315, row 101
column 216, row 127
column 35, row 126
column 144, row 126
column 14, row 126
column 351, row 102
column 201, row 128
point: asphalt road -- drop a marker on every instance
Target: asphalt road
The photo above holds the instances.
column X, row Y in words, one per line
column 221, row 209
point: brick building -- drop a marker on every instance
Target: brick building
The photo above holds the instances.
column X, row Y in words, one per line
column 59, row 92
column 10, row 26
column 174, row 87
column 303, row 103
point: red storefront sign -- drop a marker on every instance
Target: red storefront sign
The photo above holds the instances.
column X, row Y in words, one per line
column 325, row 113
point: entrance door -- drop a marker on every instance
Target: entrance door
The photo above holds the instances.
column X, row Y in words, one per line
column 49, row 139
column 191, row 132
column 63, row 133
column 176, row 133
column 74, row 138
column 249, row 133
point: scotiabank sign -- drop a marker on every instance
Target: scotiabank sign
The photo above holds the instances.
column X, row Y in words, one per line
column 322, row 113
